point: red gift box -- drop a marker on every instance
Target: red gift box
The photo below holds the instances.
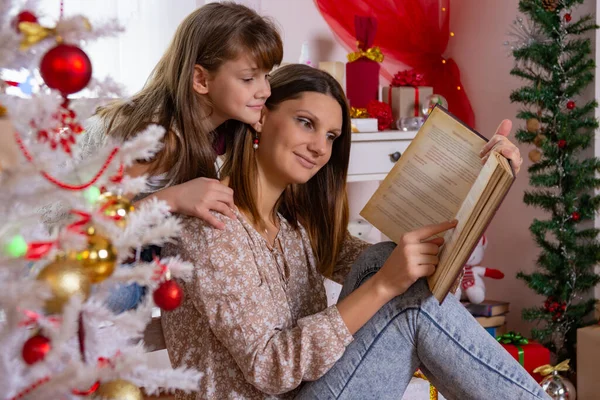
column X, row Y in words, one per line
column 534, row 355
column 362, row 69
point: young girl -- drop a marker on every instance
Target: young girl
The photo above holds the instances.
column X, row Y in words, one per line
column 255, row 318
column 214, row 74
column 215, row 70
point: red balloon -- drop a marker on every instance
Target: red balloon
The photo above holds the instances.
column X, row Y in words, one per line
column 168, row 295
column 23, row 16
column 35, row 349
column 66, row 68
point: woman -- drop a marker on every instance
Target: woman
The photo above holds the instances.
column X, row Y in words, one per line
column 255, row 318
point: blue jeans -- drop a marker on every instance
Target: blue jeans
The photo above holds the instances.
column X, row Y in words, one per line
column 413, row 331
column 127, row 297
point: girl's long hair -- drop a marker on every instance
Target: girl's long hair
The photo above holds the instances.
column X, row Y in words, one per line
column 209, row 36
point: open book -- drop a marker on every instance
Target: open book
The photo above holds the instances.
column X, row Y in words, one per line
column 439, row 178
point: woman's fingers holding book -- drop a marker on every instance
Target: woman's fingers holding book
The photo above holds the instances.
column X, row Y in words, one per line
column 506, row 148
column 426, row 232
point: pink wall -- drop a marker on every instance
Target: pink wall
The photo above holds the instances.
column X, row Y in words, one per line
column 480, row 30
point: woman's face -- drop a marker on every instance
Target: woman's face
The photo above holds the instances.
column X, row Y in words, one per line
column 296, row 137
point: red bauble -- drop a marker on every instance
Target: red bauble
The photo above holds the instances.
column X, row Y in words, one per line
column 23, row 16
column 567, row 17
column 570, row 104
column 562, row 143
column 35, row 349
column 168, row 295
column 575, row 216
column 66, row 68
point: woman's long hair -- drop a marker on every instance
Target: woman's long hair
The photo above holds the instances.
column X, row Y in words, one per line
column 209, row 36
column 321, row 204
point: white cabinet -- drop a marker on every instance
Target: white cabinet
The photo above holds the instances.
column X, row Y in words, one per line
column 372, row 156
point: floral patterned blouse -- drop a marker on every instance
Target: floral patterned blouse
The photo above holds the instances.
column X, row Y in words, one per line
column 254, row 319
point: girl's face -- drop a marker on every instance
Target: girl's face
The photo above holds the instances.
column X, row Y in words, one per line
column 296, row 138
column 238, row 90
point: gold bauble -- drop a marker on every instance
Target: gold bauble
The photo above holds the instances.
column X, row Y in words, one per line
column 98, row 258
column 116, row 207
column 533, row 125
column 539, row 140
column 119, row 389
column 65, row 278
column 535, row 155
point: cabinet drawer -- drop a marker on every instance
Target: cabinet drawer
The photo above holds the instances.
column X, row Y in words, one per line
column 374, row 157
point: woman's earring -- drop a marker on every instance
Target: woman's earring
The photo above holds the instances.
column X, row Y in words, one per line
column 255, row 142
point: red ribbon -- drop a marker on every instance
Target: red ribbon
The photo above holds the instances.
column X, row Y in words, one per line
column 33, row 317
column 408, row 77
column 37, row 250
column 64, row 185
column 161, row 271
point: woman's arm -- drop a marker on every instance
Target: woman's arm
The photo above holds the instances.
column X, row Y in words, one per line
column 414, row 257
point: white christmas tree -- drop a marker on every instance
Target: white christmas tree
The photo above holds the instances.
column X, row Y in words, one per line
column 58, row 338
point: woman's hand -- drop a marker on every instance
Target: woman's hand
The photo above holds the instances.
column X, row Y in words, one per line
column 500, row 143
column 415, row 256
column 200, row 196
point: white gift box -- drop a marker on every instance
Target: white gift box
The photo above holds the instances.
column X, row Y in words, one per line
column 362, row 125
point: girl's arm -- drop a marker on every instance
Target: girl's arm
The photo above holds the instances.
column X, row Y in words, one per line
column 196, row 198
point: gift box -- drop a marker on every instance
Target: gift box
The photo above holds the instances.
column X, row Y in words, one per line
column 335, row 69
column 588, row 354
column 530, row 354
column 362, row 69
column 362, row 125
column 406, row 101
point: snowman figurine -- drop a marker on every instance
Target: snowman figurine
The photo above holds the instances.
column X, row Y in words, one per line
column 472, row 287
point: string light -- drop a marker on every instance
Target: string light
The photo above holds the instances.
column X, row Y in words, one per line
column 443, row 61
column 451, row 33
column 458, row 88
column 444, row 9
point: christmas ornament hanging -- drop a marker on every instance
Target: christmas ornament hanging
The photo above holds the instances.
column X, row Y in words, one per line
column 535, row 155
column 556, row 386
column 550, row 5
column 561, row 144
column 35, row 349
column 118, row 389
column 575, row 216
column 65, row 278
column 168, row 295
column 570, row 104
column 539, row 140
column 533, row 125
column 116, row 207
column 98, row 259
column 23, row 16
column 66, row 68
column 567, row 17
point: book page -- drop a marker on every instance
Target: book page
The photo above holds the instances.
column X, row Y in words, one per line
column 430, row 181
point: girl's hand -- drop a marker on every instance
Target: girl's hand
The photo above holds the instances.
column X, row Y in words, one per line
column 200, row 196
column 415, row 256
column 500, row 143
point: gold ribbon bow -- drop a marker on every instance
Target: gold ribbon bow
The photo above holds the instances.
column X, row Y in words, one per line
column 34, row 33
column 358, row 112
column 372, row 53
column 549, row 369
